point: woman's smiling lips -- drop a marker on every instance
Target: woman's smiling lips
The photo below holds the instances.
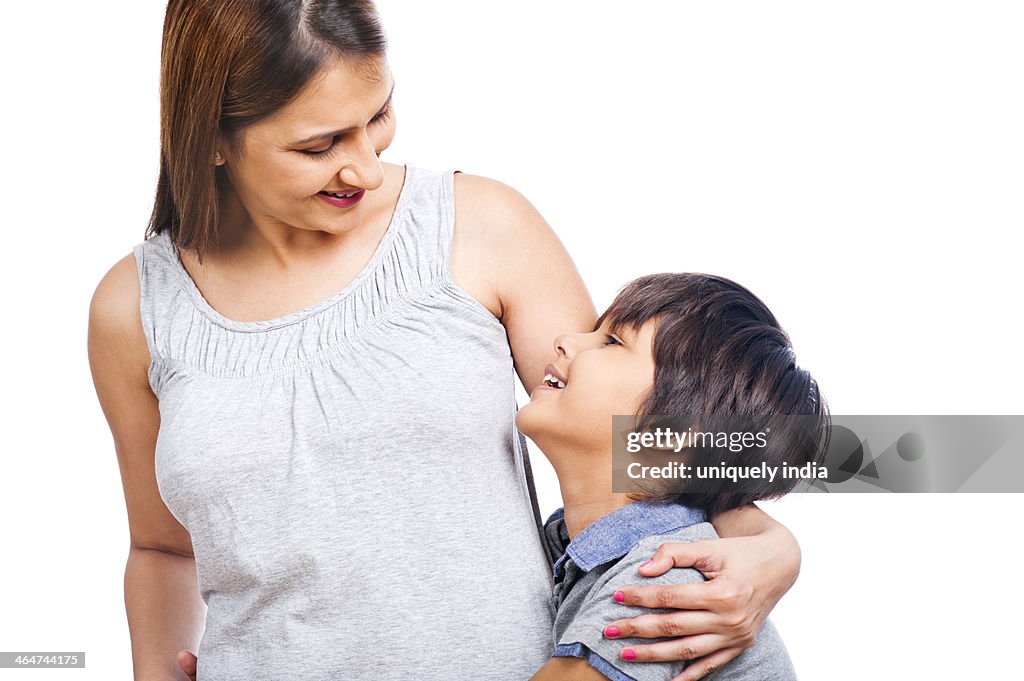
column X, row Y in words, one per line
column 342, row 199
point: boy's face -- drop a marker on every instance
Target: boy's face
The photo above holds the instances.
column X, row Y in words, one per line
column 604, row 374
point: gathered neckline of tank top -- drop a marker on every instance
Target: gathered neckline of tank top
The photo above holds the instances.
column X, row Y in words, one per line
column 299, row 315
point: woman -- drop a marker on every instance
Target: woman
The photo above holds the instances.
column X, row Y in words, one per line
column 307, row 372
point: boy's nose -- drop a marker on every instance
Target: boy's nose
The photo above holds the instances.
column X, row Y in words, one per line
column 563, row 345
column 568, row 344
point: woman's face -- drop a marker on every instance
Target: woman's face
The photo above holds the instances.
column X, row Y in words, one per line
column 326, row 141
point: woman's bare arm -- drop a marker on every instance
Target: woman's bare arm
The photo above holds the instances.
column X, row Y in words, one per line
column 162, row 602
column 507, row 256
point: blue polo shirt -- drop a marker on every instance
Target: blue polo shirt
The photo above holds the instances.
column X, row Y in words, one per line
column 602, row 559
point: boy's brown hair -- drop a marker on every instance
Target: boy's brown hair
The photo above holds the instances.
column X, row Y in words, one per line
column 720, row 356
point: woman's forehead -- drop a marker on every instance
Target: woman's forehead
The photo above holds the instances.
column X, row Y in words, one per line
column 342, row 96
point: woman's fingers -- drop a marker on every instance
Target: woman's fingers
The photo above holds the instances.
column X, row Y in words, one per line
column 696, row 554
column 700, row 668
column 670, row 625
column 689, row 648
column 717, row 607
column 678, row 597
column 721, row 595
column 188, row 661
column 734, row 629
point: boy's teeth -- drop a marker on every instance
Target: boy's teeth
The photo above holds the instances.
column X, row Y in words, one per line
column 553, row 382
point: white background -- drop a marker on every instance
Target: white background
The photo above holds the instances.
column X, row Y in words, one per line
column 858, row 165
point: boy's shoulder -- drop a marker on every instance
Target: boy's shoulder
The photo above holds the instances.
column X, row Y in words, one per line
column 684, row 535
column 624, row 572
column 590, row 606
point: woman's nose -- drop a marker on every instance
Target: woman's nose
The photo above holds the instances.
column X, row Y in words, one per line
column 362, row 168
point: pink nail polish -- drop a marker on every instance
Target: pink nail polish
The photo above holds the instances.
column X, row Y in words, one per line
column 628, row 654
column 646, row 564
column 611, row 632
column 619, row 597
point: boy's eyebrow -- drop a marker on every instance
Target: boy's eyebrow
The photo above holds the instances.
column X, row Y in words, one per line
column 335, row 133
column 621, row 329
column 626, row 332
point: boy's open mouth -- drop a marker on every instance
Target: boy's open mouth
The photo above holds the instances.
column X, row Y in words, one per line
column 552, row 381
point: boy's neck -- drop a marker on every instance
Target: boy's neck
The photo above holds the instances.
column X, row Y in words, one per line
column 585, row 480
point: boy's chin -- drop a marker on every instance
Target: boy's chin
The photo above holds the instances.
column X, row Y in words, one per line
column 523, row 421
column 530, row 421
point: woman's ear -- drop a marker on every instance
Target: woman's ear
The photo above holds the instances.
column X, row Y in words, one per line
column 221, row 149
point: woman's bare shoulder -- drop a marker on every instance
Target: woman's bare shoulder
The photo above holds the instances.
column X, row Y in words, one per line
column 496, row 230
column 496, row 222
column 491, row 205
column 116, row 298
column 115, row 320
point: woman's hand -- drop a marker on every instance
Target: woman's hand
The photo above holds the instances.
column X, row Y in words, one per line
column 718, row 619
column 188, row 662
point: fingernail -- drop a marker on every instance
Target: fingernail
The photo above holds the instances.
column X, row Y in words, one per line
column 619, row 597
column 646, row 564
column 628, row 654
column 611, row 632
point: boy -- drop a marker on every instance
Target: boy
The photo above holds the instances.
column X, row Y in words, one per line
column 677, row 346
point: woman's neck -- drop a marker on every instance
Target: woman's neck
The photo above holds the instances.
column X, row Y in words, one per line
column 284, row 246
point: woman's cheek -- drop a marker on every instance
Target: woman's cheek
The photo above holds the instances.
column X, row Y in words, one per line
column 386, row 136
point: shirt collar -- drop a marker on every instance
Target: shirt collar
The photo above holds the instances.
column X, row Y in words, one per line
column 614, row 535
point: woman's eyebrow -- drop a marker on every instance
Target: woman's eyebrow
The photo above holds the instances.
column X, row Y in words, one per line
column 324, row 135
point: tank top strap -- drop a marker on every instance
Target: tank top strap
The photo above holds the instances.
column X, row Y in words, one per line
column 425, row 227
column 160, row 294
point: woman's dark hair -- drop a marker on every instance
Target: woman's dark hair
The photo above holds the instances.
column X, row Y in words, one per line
column 226, row 64
column 722, row 360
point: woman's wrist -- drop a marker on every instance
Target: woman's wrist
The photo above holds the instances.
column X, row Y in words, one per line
column 778, row 548
column 746, row 521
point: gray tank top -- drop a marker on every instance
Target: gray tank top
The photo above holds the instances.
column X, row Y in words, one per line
column 350, row 473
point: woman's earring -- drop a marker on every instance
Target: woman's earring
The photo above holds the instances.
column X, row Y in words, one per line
column 218, row 159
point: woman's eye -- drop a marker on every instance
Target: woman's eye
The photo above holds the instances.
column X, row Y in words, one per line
column 326, row 150
column 382, row 116
column 320, row 150
column 611, row 340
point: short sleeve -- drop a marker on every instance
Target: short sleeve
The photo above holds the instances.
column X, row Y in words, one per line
column 584, row 636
